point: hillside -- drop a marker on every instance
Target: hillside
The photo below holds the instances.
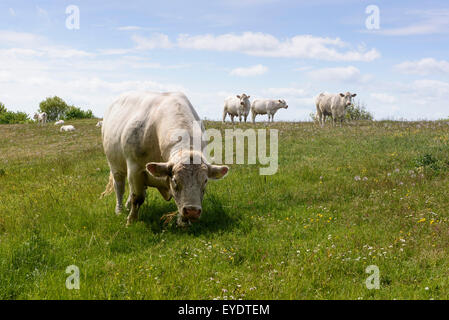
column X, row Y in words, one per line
column 343, row 199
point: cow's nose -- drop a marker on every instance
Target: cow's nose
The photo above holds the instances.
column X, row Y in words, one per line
column 192, row 213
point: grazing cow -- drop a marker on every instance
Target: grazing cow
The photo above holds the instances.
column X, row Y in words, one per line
column 99, row 124
column 269, row 107
column 237, row 106
column 140, row 134
column 67, row 128
column 41, row 118
column 334, row 105
column 59, row 122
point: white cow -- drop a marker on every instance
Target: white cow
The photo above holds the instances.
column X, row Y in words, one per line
column 99, row 124
column 237, row 106
column 141, row 132
column 67, row 128
column 41, row 117
column 334, row 105
column 59, row 122
column 269, row 107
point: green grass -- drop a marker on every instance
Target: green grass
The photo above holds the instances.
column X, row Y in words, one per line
column 307, row 232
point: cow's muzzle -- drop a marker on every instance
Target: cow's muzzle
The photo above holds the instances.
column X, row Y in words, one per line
column 191, row 213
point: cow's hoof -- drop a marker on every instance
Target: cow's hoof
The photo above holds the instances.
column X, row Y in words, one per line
column 130, row 221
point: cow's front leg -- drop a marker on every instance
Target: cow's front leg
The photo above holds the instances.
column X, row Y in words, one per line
column 136, row 179
column 136, row 202
column 232, row 118
column 128, row 202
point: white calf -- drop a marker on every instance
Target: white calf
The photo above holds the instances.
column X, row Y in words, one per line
column 67, row 128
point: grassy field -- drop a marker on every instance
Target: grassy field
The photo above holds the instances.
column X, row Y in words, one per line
column 343, row 199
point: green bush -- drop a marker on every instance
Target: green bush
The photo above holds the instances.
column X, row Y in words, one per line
column 76, row 113
column 11, row 117
column 55, row 108
column 2, row 108
column 357, row 111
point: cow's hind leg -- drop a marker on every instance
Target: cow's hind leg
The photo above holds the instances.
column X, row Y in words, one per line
column 224, row 115
column 136, row 180
column 119, row 186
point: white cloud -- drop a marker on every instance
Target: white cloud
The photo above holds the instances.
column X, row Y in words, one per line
column 383, row 98
column 249, row 71
column 155, row 41
column 343, row 74
column 129, row 28
column 303, row 68
column 430, row 22
column 431, row 89
column 25, row 39
column 266, row 45
column 426, row 66
column 12, row 12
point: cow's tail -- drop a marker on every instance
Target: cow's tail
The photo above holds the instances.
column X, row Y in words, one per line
column 109, row 186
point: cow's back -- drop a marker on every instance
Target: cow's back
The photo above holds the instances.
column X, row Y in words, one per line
column 231, row 105
column 138, row 125
column 260, row 106
column 325, row 102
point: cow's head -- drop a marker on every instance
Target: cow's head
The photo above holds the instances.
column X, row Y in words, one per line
column 244, row 100
column 347, row 98
column 282, row 104
column 187, row 184
column 36, row 116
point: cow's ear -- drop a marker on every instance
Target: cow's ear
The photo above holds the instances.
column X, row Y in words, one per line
column 217, row 172
column 248, row 97
column 342, row 95
column 354, row 95
column 238, row 96
column 280, row 100
column 160, row 169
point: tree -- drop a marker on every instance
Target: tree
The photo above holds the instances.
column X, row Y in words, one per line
column 76, row 113
column 2, row 108
column 10, row 117
column 357, row 111
column 55, row 108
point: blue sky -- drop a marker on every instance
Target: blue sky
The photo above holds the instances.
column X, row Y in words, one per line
column 212, row 49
